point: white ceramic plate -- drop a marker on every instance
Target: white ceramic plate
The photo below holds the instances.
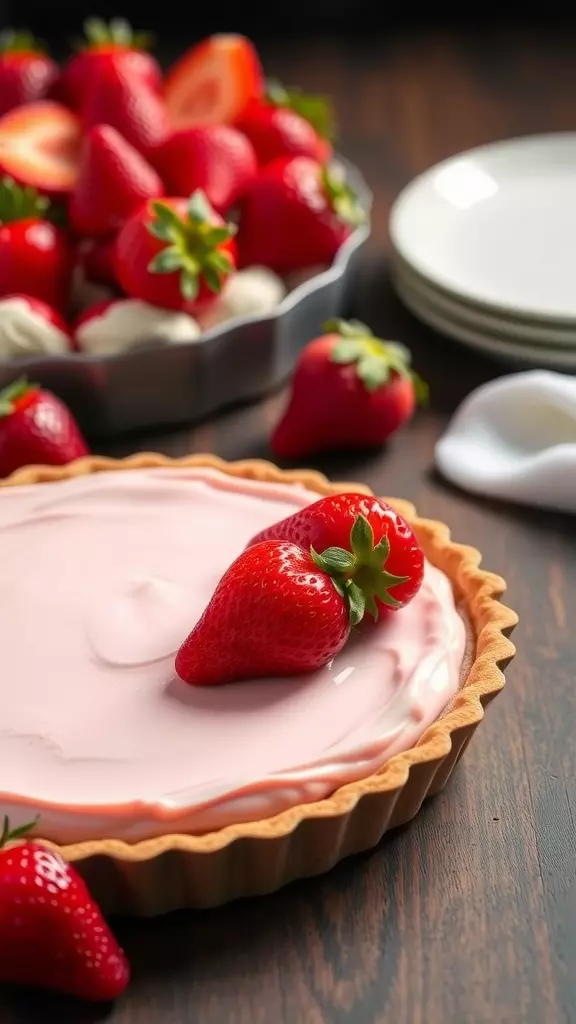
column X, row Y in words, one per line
column 506, row 328
column 497, row 226
column 504, row 350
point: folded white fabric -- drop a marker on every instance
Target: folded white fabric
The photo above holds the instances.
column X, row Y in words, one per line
column 515, row 438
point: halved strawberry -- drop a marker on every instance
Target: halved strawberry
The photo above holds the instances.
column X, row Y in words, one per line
column 40, row 146
column 213, row 81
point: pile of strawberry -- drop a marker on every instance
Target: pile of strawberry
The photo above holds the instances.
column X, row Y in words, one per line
column 156, row 189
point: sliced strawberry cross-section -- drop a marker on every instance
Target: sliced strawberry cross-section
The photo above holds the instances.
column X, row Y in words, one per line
column 40, row 146
column 213, row 81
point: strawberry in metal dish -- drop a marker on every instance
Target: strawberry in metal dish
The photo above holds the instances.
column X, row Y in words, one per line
column 213, row 81
column 29, row 326
column 112, row 44
column 328, row 523
column 215, row 158
column 52, row 934
column 113, row 181
column 40, row 146
column 175, row 253
column 35, row 254
column 115, row 97
column 297, row 213
column 281, row 609
column 287, row 122
column 349, row 390
column 36, row 428
column 26, row 70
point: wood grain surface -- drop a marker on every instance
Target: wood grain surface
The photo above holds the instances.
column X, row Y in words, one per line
column 469, row 914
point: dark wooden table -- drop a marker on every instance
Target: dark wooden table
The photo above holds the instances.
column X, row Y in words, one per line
column 468, row 915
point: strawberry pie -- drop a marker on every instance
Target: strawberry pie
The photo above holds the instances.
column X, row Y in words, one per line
column 107, row 573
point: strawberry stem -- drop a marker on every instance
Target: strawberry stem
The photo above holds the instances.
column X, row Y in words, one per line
column 376, row 360
column 20, row 202
column 193, row 245
column 117, row 32
column 16, row 40
column 9, row 835
column 10, row 396
column 317, row 110
column 359, row 575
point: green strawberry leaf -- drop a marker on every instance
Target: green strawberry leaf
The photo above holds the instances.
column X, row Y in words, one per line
column 333, row 560
column 166, row 261
column 317, row 110
column 9, row 835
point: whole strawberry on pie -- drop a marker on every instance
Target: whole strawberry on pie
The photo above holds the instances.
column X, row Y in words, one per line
column 284, row 608
column 349, row 390
column 175, row 253
column 52, row 934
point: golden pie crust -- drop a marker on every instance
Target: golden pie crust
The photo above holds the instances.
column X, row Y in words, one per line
column 176, row 871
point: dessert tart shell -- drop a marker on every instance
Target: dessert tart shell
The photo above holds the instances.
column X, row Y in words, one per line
column 179, row 871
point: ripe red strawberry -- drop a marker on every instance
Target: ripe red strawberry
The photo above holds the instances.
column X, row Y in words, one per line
column 52, row 934
column 116, row 98
column 216, row 158
column 213, row 81
column 26, row 71
column 288, row 123
column 280, row 609
column 108, row 44
column 36, row 428
column 349, row 390
column 35, row 255
column 175, row 253
column 40, row 146
column 29, row 327
column 113, row 182
column 328, row 523
column 296, row 214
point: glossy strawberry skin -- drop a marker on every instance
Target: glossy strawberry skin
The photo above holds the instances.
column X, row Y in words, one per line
column 215, row 158
column 41, row 430
column 131, row 107
column 277, row 132
column 52, row 934
column 25, row 78
column 274, row 613
column 330, row 408
column 86, row 68
column 96, row 258
column 328, row 522
column 287, row 221
column 114, row 179
column 135, row 248
column 35, row 258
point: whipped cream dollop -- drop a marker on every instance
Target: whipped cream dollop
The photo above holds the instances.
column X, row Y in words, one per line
column 25, row 332
column 128, row 323
column 254, row 291
column 515, row 438
column 109, row 573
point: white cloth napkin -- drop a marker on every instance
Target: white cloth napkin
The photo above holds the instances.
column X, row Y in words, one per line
column 515, row 438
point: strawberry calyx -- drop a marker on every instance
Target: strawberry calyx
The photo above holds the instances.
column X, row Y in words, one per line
column 20, row 202
column 341, row 196
column 359, row 575
column 317, row 110
column 115, row 34
column 16, row 396
column 193, row 248
column 20, row 41
column 376, row 361
column 11, row 835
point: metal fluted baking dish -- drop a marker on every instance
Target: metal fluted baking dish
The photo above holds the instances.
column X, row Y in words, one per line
column 240, row 360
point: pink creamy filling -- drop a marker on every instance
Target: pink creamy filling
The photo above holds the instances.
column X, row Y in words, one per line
column 102, row 578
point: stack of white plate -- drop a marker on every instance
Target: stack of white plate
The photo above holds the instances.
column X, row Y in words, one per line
column 484, row 249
